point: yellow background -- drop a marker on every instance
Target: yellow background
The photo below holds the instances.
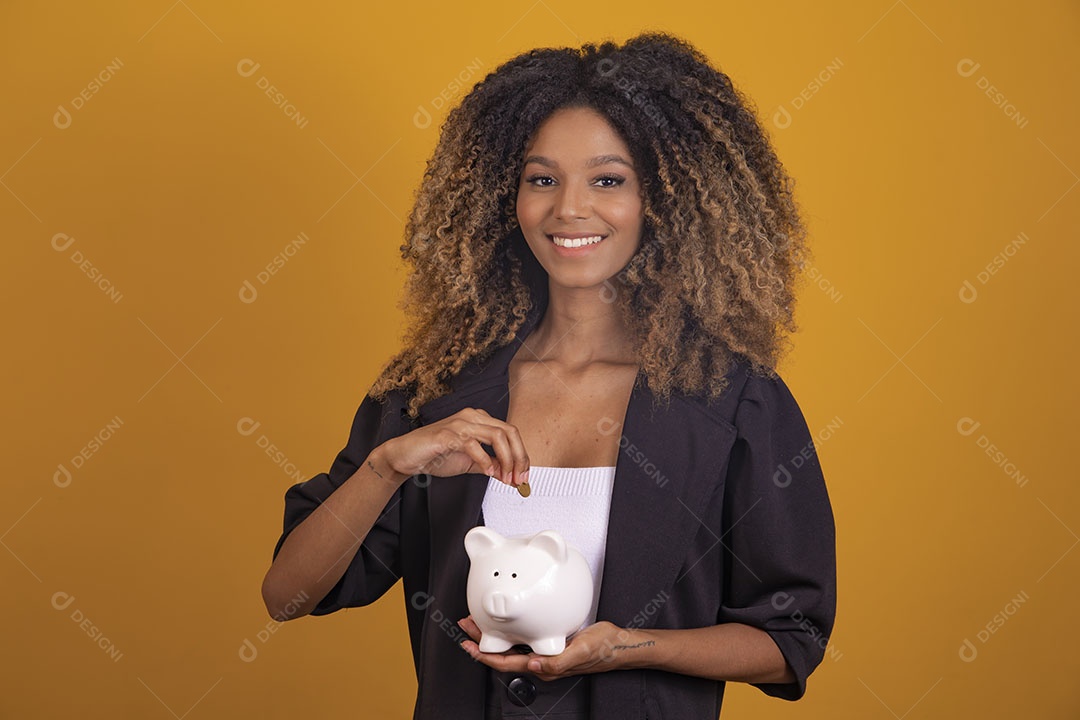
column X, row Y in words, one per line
column 179, row 180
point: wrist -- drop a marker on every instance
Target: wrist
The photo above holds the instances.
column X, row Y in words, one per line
column 379, row 464
column 638, row 649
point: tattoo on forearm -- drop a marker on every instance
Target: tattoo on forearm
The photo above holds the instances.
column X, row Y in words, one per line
column 631, row 647
column 374, row 470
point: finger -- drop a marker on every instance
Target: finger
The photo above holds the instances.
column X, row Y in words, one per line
column 495, row 436
column 484, row 462
column 450, row 443
column 512, row 662
column 470, row 627
column 505, row 455
column 517, row 449
column 509, row 449
column 556, row 665
column 500, row 466
column 549, row 668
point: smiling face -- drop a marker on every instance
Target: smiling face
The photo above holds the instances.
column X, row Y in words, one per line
column 578, row 181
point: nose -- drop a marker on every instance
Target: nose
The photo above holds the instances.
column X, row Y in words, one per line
column 571, row 202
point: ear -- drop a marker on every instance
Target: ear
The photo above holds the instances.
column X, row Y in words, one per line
column 481, row 540
column 552, row 543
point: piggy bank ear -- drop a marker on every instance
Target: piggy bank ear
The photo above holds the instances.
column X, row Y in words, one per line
column 481, row 540
column 552, row 543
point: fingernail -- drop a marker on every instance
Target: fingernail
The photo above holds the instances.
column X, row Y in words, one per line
column 491, row 470
column 525, row 476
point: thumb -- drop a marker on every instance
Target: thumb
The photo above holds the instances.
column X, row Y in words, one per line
column 536, row 665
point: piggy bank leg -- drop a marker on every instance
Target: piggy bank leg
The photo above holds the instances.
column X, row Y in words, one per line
column 490, row 643
column 549, row 646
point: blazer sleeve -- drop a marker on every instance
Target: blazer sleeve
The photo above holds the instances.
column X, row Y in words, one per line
column 376, row 566
column 780, row 537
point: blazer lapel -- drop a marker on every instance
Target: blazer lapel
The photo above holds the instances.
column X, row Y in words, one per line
column 672, row 458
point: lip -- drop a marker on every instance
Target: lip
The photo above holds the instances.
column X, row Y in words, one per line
column 574, row 252
column 574, row 236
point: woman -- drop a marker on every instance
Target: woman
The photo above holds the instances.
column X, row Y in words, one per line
column 706, row 515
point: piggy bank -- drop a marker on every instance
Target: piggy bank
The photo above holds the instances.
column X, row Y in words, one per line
column 532, row 590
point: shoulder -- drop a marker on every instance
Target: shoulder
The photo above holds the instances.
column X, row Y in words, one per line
column 767, row 393
column 385, row 414
column 753, row 395
column 742, row 381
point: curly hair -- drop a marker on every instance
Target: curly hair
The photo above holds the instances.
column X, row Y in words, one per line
column 722, row 240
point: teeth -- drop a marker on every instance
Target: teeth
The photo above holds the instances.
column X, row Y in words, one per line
column 576, row 242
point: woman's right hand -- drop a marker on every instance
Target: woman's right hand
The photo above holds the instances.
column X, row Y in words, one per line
column 451, row 446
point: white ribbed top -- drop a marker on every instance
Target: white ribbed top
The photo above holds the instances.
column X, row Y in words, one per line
column 574, row 502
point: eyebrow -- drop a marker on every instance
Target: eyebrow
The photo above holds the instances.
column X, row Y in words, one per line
column 598, row 160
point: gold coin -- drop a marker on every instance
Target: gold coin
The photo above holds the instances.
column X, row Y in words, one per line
column 524, row 489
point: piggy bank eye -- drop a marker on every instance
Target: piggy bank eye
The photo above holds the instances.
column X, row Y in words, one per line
column 513, row 575
column 496, row 573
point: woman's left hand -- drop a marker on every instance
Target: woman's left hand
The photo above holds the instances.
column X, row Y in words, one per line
column 597, row 648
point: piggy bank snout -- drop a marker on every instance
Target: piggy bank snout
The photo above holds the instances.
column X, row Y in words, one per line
column 497, row 605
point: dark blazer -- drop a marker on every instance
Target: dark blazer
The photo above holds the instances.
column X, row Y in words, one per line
column 719, row 513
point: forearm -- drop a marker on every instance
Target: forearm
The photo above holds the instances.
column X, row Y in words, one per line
column 730, row 651
column 318, row 551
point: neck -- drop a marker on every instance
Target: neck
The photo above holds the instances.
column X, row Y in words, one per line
column 579, row 328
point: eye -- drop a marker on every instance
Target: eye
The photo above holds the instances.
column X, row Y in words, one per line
column 513, row 575
column 615, row 180
column 532, row 180
column 496, row 573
